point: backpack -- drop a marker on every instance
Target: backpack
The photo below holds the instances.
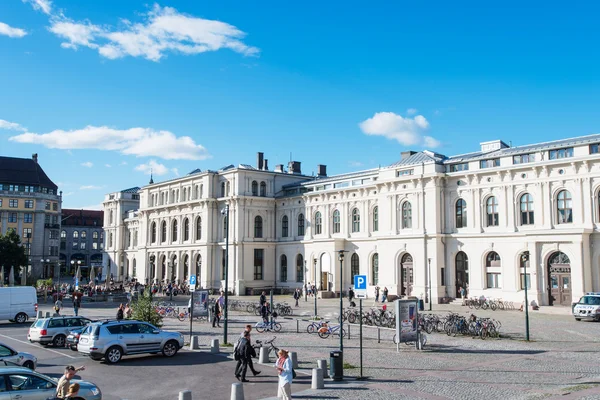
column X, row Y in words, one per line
column 119, row 314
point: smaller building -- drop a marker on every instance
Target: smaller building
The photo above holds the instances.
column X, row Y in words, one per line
column 81, row 242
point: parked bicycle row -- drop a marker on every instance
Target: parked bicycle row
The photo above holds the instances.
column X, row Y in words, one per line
column 453, row 324
column 256, row 309
column 485, row 303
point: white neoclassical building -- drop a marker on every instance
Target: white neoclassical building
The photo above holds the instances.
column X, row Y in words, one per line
column 493, row 221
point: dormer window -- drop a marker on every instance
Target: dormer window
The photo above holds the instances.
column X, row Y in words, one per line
column 494, row 162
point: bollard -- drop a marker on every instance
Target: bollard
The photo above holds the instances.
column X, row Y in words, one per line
column 47, row 314
column 237, row 391
column 185, row 395
column 322, row 365
column 294, row 358
column 214, row 346
column 194, row 343
column 348, row 331
column 378, row 335
column 40, row 314
column 317, row 379
column 263, row 357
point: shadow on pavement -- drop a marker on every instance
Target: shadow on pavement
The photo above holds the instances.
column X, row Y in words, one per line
column 182, row 358
column 451, row 349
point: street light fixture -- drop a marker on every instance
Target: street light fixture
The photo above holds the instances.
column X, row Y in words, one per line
column 225, row 213
column 341, row 258
column 305, row 285
column 429, row 279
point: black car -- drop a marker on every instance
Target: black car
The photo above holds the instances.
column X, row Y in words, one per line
column 73, row 338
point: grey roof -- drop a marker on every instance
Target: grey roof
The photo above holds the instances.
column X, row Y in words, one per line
column 418, row 158
column 320, row 180
column 196, row 171
column 227, row 167
column 246, row 166
column 131, row 190
column 23, row 171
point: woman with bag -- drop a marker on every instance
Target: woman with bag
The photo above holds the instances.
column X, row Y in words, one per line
column 286, row 374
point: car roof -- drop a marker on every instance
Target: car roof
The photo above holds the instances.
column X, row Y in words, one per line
column 10, row 369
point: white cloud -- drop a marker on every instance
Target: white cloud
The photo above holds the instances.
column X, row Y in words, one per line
column 9, row 31
column 87, row 164
column 355, row 164
column 411, row 111
column 107, row 165
column 175, row 172
column 44, row 6
column 13, row 126
column 152, row 167
column 90, row 187
column 139, row 142
column 406, row 131
column 163, row 30
column 428, row 141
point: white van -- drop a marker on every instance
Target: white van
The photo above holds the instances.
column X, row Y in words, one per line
column 19, row 303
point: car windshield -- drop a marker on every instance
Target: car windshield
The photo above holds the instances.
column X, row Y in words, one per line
column 590, row 300
column 39, row 323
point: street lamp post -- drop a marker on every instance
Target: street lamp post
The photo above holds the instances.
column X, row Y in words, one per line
column 429, row 279
column 172, row 277
column 341, row 258
column 526, row 301
column 315, row 291
column 225, row 213
column 305, row 286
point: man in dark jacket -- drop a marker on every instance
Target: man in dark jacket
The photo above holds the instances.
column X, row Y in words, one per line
column 264, row 312
column 262, row 299
column 243, row 354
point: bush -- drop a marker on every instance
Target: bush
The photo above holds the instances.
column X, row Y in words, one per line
column 44, row 282
column 144, row 310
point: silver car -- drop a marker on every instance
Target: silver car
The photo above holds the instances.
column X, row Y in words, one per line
column 113, row 339
column 54, row 330
column 23, row 383
column 21, row 358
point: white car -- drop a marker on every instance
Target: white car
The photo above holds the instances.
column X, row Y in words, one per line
column 588, row 307
column 24, row 359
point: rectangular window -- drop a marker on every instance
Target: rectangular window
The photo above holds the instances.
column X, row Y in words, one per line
column 13, row 203
column 594, row 148
column 405, row 172
column 82, row 245
column 28, row 218
column 341, row 185
column 47, row 219
column 95, row 246
column 75, row 246
column 459, row 167
column 258, row 264
column 493, row 280
column 53, row 234
column 28, row 203
column 561, row 153
column 48, row 205
column 27, row 247
column 12, row 217
column 524, row 158
column 54, row 206
column 494, row 162
column 26, row 233
column 63, row 245
column 525, row 279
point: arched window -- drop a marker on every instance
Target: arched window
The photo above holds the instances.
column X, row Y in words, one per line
column 375, row 219
column 491, row 211
column 263, row 189
column 299, row 268
column 318, row 223
column 174, row 231
column 564, row 207
column 375, row 269
column 526, row 206
column 186, row 229
column 301, row 225
column 524, row 266
column 354, row 266
column 199, row 228
column 83, row 235
column 196, row 192
column 406, row 215
column 94, row 235
column 153, row 232
column 184, row 199
column 461, row 213
column 75, row 234
column 493, row 270
column 198, row 266
column 283, row 268
column 254, row 188
column 201, row 190
column 336, row 221
column 284, row 226
column 163, row 232
column 63, row 234
column 355, row 220
column 258, row 227
column 162, row 198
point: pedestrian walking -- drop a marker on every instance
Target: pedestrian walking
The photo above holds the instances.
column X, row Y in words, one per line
column 264, row 312
column 242, row 355
column 252, row 353
column 376, row 293
column 297, row 296
column 350, row 294
column 286, row 375
column 217, row 312
column 58, row 305
column 76, row 304
column 385, row 294
column 120, row 312
column 463, row 295
column 262, row 299
column 62, row 388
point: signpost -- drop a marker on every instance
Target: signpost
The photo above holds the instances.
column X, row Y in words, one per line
column 360, row 291
column 407, row 323
column 191, row 310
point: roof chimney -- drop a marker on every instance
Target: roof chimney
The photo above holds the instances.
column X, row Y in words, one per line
column 259, row 160
column 266, row 165
column 321, row 171
column 34, row 157
column 279, row 168
column 294, row 167
column 406, row 154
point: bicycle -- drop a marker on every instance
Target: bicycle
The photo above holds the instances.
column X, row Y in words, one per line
column 325, row 330
column 271, row 348
column 315, row 326
column 267, row 326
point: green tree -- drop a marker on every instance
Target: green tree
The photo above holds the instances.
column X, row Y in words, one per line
column 12, row 254
column 144, row 310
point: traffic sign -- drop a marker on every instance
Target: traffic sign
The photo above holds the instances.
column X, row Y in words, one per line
column 192, row 283
column 360, row 282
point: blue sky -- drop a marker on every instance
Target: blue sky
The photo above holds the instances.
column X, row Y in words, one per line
column 103, row 91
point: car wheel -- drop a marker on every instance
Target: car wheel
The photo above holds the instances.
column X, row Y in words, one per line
column 21, row 318
column 73, row 347
column 170, row 348
column 113, row 355
column 59, row 341
column 29, row 364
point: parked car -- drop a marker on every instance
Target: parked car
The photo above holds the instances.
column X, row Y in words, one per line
column 588, row 307
column 113, row 339
column 19, row 303
column 54, row 330
column 23, row 383
column 73, row 338
column 20, row 358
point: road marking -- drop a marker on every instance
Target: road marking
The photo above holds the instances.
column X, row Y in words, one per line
column 42, row 348
column 579, row 333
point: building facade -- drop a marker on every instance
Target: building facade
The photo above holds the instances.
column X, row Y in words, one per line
column 492, row 221
column 31, row 205
column 81, row 242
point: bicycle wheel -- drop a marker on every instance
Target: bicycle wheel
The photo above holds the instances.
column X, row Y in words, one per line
column 257, row 311
column 470, row 304
column 260, row 328
column 483, row 333
column 337, row 333
column 493, row 306
column 352, row 318
column 182, row 317
column 324, row 335
column 311, row 328
column 477, row 305
column 249, row 308
column 429, row 327
column 277, row 327
column 395, row 340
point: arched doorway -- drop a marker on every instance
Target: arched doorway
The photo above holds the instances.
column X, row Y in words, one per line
column 462, row 271
column 186, row 268
column 198, row 266
column 559, row 275
column 406, row 275
column 326, row 275
column 163, row 268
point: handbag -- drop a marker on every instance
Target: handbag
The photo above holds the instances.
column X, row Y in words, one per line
column 294, row 373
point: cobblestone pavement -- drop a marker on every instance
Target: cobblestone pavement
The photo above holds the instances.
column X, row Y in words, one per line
column 561, row 360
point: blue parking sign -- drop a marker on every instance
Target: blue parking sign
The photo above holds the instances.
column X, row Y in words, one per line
column 360, row 282
column 192, row 283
